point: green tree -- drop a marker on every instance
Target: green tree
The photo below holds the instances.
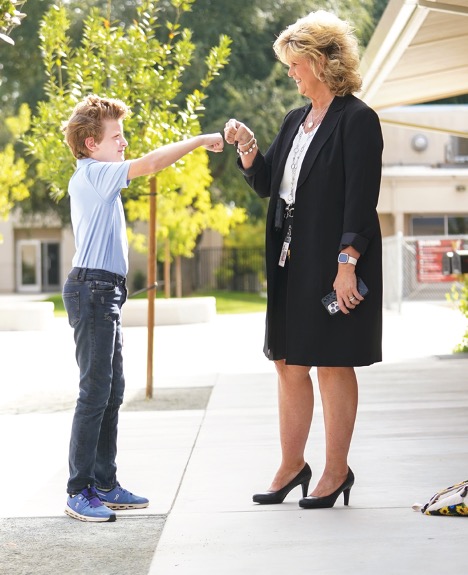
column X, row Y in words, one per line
column 14, row 185
column 459, row 296
column 10, row 17
column 142, row 64
column 255, row 87
column 22, row 69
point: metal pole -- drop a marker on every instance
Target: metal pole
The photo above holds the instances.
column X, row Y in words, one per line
column 151, row 293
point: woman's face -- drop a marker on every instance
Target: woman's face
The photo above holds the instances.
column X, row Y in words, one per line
column 301, row 72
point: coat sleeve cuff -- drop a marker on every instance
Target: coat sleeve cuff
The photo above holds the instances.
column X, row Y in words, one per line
column 355, row 240
column 253, row 168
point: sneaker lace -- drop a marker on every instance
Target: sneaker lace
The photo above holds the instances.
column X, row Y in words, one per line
column 92, row 496
column 122, row 490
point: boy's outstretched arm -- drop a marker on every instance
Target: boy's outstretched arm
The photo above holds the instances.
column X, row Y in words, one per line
column 169, row 154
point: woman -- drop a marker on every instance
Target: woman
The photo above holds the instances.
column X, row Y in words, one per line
column 322, row 175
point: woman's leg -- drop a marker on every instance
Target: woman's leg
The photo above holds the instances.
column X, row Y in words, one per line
column 296, row 403
column 339, row 392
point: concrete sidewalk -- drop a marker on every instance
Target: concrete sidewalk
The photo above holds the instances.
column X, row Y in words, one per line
column 199, row 467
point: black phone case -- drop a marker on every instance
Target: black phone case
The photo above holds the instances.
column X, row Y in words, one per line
column 330, row 303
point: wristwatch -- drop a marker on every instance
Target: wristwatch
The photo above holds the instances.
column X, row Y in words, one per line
column 344, row 258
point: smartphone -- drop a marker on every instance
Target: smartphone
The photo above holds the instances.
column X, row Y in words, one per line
column 330, row 303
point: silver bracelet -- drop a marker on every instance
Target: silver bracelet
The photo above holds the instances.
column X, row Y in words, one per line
column 251, row 149
column 249, row 142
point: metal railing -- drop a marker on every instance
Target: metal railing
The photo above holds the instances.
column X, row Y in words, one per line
column 233, row 269
column 412, row 268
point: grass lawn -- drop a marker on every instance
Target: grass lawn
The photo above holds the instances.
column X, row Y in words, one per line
column 236, row 302
column 56, row 299
column 226, row 301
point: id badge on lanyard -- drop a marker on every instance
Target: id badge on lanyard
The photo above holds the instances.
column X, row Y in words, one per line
column 285, row 248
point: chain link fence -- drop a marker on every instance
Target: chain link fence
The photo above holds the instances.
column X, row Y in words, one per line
column 413, row 268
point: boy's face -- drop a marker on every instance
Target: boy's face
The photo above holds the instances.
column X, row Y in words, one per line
column 113, row 144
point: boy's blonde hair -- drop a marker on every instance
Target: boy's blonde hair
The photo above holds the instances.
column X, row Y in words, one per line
column 320, row 34
column 87, row 120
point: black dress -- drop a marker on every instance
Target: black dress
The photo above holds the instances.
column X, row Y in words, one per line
column 335, row 206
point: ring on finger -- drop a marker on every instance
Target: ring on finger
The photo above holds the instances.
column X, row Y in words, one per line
column 351, row 299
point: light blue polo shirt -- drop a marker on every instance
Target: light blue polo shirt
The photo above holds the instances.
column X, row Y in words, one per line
column 97, row 215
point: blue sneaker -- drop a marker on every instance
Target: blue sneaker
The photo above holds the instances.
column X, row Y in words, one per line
column 120, row 498
column 86, row 506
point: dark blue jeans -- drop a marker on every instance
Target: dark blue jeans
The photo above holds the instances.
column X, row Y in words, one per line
column 93, row 300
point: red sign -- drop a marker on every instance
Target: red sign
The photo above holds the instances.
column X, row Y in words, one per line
column 429, row 259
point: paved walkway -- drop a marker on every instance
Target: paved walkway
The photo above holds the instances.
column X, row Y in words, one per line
column 200, row 467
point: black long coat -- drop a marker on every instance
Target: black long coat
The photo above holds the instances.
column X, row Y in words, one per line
column 336, row 199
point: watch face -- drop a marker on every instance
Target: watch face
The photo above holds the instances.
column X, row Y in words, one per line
column 343, row 258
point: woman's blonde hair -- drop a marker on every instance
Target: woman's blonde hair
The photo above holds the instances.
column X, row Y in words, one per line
column 322, row 34
column 87, row 120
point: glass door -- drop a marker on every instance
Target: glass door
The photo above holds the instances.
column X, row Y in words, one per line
column 50, row 266
column 28, row 267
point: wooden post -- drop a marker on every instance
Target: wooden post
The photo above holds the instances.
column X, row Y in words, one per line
column 152, row 292
column 178, row 262
column 167, row 268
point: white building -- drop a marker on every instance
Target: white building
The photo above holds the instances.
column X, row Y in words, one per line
column 425, row 176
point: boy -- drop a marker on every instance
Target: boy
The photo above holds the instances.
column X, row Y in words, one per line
column 95, row 292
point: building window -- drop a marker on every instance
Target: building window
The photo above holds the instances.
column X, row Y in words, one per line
column 428, row 226
column 439, row 225
column 457, row 225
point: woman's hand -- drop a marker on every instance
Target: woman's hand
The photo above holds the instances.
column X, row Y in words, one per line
column 345, row 285
column 235, row 131
column 213, row 142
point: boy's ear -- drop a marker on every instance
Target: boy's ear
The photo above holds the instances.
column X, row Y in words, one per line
column 90, row 144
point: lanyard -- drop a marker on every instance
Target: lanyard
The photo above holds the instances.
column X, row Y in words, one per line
column 285, row 248
column 298, row 150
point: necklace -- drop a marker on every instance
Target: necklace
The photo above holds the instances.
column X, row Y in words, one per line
column 297, row 153
column 314, row 122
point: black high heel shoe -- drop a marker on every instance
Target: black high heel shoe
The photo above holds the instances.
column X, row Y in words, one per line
column 270, row 497
column 312, row 502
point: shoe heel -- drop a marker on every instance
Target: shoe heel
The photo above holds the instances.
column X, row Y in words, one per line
column 346, row 493
column 305, row 487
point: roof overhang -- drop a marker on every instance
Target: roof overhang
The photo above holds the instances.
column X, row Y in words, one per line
column 418, row 53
